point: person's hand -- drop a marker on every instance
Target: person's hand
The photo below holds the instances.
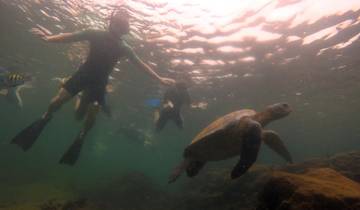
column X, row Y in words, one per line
column 168, row 104
column 40, row 33
column 167, row 81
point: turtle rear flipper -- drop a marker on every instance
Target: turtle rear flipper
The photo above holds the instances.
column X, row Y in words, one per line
column 194, row 168
column 273, row 140
column 249, row 151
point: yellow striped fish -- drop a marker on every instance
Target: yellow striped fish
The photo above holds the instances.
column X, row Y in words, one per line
column 9, row 80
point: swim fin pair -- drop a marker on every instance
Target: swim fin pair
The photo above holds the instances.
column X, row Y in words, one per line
column 27, row 137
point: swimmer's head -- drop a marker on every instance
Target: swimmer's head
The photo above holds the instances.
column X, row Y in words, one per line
column 119, row 24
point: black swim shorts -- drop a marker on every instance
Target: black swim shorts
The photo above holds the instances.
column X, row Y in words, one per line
column 85, row 81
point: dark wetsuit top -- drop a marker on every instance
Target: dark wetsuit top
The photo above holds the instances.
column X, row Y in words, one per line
column 92, row 76
column 177, row 97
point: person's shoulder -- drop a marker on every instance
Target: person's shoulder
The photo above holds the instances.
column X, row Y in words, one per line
column 94, row 31
column 90, row 33
column 86, row 32
column 124, row 44
column 125, row 47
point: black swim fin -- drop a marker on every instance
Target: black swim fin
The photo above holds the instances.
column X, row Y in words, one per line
column 27, row 137
column 72, row 154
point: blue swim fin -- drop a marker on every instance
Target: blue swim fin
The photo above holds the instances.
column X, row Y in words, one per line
column 153, row 102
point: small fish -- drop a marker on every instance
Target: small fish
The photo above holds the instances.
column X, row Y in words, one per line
column 199, row 105
column 11, row 84
column 10, row 80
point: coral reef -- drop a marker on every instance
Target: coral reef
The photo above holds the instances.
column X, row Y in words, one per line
column 213, row 189
column 317, row 189
column 348, row 164
column 322, row 183
column 133, row 190
column 67, row 205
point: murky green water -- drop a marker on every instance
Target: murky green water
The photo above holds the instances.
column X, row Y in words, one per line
column 248, row 55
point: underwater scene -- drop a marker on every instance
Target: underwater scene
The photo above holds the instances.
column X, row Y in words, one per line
column 179, row 105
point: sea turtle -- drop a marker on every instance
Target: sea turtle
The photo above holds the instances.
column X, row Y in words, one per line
column 237, row 133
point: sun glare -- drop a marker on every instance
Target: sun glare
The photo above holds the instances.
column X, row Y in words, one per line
column 217, row 32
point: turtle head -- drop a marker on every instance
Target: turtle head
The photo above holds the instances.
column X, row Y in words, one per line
column 279, row 110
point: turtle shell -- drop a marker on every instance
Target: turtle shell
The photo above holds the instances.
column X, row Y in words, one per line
column 219, row 140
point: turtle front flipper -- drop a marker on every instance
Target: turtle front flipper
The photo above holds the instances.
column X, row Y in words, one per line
column 179, row 170
column 273, row 140
column 249, row 151
column 194, row 168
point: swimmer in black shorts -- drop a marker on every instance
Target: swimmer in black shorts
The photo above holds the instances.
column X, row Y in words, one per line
column 106, row 48
column 174, row 99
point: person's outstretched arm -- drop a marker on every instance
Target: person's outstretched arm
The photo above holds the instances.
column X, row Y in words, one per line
column 63, row 37
column 187, row 99
column 143, row 66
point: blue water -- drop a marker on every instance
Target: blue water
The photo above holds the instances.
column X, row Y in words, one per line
column 245, row 56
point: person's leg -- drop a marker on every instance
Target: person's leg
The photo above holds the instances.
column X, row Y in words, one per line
column 90, row 117
column 62, row 97
column 161, row 122
column 81, row 105
column 178, row 119
column 27, row 137
column 72, row 154
column 96, row 98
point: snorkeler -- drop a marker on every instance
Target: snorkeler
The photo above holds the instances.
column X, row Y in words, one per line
column 173, row 100
column 106, row 48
